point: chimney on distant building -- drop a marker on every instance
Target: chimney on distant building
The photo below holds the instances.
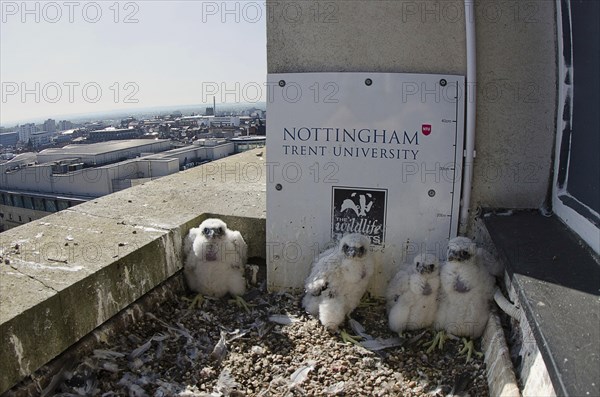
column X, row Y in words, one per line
column 214, row 106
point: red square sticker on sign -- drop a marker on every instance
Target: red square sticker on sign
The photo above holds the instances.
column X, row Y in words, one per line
column 426, row 129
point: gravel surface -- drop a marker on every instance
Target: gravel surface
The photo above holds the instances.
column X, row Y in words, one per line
column 274, row 349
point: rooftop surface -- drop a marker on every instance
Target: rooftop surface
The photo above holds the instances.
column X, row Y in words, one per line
column 101, row 147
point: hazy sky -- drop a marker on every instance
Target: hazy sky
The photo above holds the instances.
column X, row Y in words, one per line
column 85, row 57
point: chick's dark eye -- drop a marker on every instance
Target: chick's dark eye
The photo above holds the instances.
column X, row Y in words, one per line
column 361, row 250
column 220, row 231
column 345, row 247
column 418, row 263
column 205, row 230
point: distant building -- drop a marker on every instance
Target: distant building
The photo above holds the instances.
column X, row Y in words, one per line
column 258, row 128
column 65, row 125
column 67, row 136
column 49, row 125
column 218, row 133
column 126, row 121
column 25, row 131
column 209, row 112
column 244, row 143
column 17, row 208
column 94, row 126
column 212, row 121
column 114, row 134
column 254, row 112
column 9, row 138
column 36, row 185
column 41, row 138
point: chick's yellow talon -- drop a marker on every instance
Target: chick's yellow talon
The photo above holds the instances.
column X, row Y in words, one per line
column 469, row 349
column 241, row 303
column 347, row 338
column 196, row 302
column 438, row 341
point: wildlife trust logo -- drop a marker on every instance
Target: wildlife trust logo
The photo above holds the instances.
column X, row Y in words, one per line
column 359, row 210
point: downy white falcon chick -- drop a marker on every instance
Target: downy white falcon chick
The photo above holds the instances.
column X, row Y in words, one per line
column 338, row 280
column 412, row 295
column 466, row 291
column 215, row 259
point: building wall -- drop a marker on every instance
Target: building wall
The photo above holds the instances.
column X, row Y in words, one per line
column 50, row 125
column 15, row 216
column 218, row 152
column 41, row 138
column 33, row 178
column 9, row 138
column 517, row 74
column 157, row 168
column 19, row 208
column 516, row 71
column 25, row 131
column 88, row 182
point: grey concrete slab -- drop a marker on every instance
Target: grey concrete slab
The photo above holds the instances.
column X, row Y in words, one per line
column 63, row 249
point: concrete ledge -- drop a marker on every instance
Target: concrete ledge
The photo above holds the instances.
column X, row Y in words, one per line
column 64, row 275
column 500, row 375
column 554, row 278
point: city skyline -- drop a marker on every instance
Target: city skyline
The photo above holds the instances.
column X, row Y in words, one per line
column 60, row 60
column 117, row 114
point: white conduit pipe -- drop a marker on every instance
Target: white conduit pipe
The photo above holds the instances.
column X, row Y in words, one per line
column 506, row 306
column 471, row 96
column 467, row 181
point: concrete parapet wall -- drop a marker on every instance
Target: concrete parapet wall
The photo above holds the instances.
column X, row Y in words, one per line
column 64, row 275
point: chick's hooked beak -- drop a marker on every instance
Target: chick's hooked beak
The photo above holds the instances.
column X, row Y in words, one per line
column 210, row 233
column 424, row 268
column 458, row 255
column 351, row 252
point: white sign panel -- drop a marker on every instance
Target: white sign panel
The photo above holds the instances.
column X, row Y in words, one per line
column 373, row 153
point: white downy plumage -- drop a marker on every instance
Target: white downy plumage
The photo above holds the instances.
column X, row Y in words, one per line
column 215, row 259
column 412, row 295
column 338, row 280
column 466, row 290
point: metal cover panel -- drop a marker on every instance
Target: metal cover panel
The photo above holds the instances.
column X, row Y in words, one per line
column 375, row 153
